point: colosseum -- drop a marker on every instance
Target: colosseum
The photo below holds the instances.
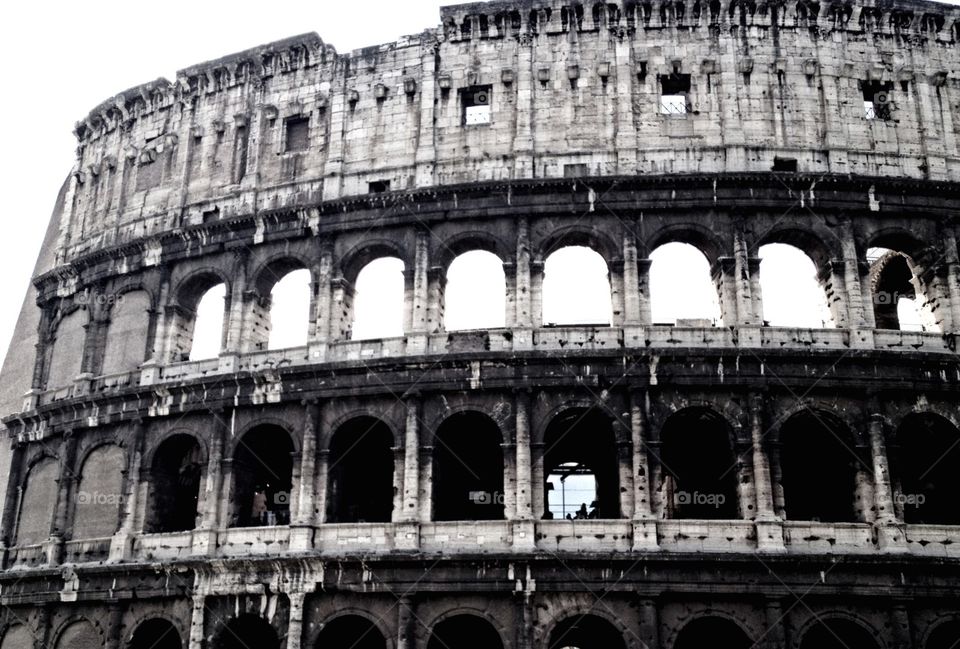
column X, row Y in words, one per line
column 734, row 482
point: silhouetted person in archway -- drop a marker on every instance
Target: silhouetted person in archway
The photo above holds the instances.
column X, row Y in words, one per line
column 582, row 512
column 258, row 510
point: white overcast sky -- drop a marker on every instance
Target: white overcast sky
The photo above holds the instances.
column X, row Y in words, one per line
column 64, row 58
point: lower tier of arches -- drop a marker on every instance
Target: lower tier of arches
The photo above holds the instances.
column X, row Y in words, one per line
column 557, row 602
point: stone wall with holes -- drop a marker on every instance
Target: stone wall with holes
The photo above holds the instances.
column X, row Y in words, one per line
column 572, row 89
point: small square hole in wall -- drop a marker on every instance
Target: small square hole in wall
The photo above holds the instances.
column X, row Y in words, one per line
column 297, row 133
column 784, row 164
column 378, row 186
column 477, row 101
column 576, row 170
column 674, row 94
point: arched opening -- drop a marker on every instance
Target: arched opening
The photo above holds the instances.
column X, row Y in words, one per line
column 100, row 493
column 792, row 294
column 898, row 297
column 468, row 469
column 126, row 345
column 246, row 632
column 582, row 437
column 586, row 632
column 79, row 635
column 464, row 631
column 207, row 330
column 66, row 357
column 18, row 636
column 360, row 466
column 576, row 288
column 290, row 310
column 928, row 468
column 263, row 477
column 475, row 293
column 37, row 503
column 837, row 633
column 156, row 633
column 378, row 300
column 682, row 291
column 350, row 632
column 175, row 485
column 818, row 466
column 712, row 631
column 699, row 466
column 945, row 636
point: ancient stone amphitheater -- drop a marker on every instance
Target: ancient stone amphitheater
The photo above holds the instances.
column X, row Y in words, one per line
column 752, row 485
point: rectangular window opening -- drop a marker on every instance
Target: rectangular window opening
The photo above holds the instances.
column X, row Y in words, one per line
column 378, row 186
column 477, row 102
column 674, row 94
column 877, row 99
column 297, row 133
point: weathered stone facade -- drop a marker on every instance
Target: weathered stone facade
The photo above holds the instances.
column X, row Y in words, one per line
column 832, row 126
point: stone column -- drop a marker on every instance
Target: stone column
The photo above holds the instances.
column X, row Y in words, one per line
column 114, row 626
column 234, row 319
column 425, row 480
column 615, row 271
column 295, row 625
column 649, row 623
column 341, row 309
column 419, row 298
column 407, row 530
column 524, row 532
column 228, row 509
column 723, row 272
column 436, row 287
column 631, row 282
column 536, row 293
column 624, row 434
column 643, row 288
column 756, row 292
column 537, row 479
column 196, row 640
column 510, row 294
column 890, row 535
column 644, row 523
column 900, row 625
column 952, row 263
column 626, row 137
column 321, row 508
column 66, row 487
column 523, row 292
column 426, row 153
column 302, row 520
column 11, row 502
column 208, row 504
column 774, row 622
column 406, row 623
column 121, row 545
column 861, row 333
column 769, row 526
column 322, row 317
column 526, row 87
column 741, row 279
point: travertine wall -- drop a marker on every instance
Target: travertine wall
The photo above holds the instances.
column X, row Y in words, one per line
column 574, row 85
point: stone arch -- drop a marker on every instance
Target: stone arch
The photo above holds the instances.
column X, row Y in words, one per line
column 926, row 467
column 360, row 472
column 561, row 285
column 288, row 427
column 468, row 468
column 127, row 340
column 327, row 432
column 699, row 460
column 466, row 627
column 578, row 235
column 156, row 633
column 176, row 466
column 100, row 492
column 694, row 234
column 712, row 630
column 16, row 636
column 192, row 286
column 681, row 285
column 375, row 622
column 593, row 629
column 262, row 475
column 814, row 437
column 900, row 269
column 837, row 630
column 462, row 242
column 274, row 268
column 901, row 240
column 474, row 293
column 503, row 418
column 581, row 442
column 812, row 244
column 79, row 633
column 38, row 501
column 68, row 342
column 350, row 631
column 943, row 633
column 354, row 260
column 781, row 290
column 246, row 630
